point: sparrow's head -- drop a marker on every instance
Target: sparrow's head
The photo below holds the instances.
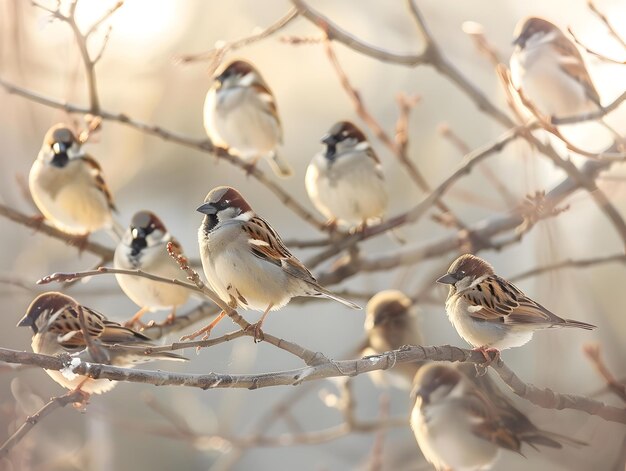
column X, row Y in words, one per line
column 386, row 308
column 44, row 310
column 145, row 230
column 237, row 73
column 434, row 382
column 223, row 203
column 59, row 146
column 343, row 136
column 532, row 31
column 464, row 270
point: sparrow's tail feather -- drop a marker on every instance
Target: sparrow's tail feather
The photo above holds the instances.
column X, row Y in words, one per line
column 168, row 356
column 550, row 439
column 279, row 165
column 579, row 324
column 328, row 294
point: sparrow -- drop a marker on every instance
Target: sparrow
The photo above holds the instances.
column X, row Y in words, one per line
column 245, row 261
column 240, row 114
column 54, row 320
column 491, row 313
column 68, row 186
column 345, row 181
column 550, row 72
column 462, row 426
column 390, row 323
column 144, row 247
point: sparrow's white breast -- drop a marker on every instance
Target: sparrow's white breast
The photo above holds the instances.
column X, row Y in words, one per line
column 350, row 189
column 444, row 433
column 479, row 333
column 237, row 118
column 69, row 197
column 537, row 72
column 147, row 293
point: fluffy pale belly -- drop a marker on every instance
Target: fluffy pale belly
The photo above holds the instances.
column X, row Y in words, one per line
column 75, row 209
column 552, row 92
column 148, row 293
column 252, row 282
column 446, row 440
column 243, row 127
column 479, row 333
column 353, row 199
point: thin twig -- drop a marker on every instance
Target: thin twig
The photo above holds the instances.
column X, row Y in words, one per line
column 593, row 353
column 570, row 263
column 32, row 420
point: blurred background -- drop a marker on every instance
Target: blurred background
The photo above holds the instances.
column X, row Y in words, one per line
column 140, row 76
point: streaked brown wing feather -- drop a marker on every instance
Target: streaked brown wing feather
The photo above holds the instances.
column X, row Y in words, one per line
column 266, row 97
column 488, row 425
column 269, row 246
column 98, row 177
column 501, row 301
column 67, row 327
column 573, row 64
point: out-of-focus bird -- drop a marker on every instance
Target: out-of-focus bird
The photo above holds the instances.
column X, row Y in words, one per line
column 461, row 422
column 144, row 247
column 391, row 323
column 240, row 113
column 54, row 320
column 68, row 187
column 245, row 261
column 491, row 313
column 550, row 72
column 345, row 182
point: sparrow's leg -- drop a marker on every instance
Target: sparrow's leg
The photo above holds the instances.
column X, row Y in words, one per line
column 205, row 330
column 38, row 221
column 135, row 321
column 171, row 317
column 487, row 353
column 258, row 333
column 80, row 241
column 251, row 166
column 84, row 396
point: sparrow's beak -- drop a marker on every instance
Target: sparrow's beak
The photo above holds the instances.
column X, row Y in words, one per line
column 59, row 148
column 26, row 321
column 207, row 208
column 138, row 233
column 329, row 140
column 447, row 279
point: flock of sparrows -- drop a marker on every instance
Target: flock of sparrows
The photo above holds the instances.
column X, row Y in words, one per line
column 460, row 420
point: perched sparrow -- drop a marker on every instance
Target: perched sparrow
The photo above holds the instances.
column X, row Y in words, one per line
column 390, row 323
column 489, row 312
column 144, row 247
column 68, row 187
column 240, row 113
column 345, row 182
column 458, row 426
column 246, row 262
column 549, row 70
column 53, row 317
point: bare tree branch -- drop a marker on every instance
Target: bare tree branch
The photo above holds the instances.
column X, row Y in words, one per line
column 328, row 369
column 32, row 420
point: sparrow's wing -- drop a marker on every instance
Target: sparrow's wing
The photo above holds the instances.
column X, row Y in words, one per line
column 98, row 178
column 495, row 299
column 488, row 424
column 379, row 168
column 571, row 61
column 266, row 244
column 66, row 326
column 268, row 103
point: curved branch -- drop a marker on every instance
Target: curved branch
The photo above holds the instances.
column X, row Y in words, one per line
column 328, row 369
